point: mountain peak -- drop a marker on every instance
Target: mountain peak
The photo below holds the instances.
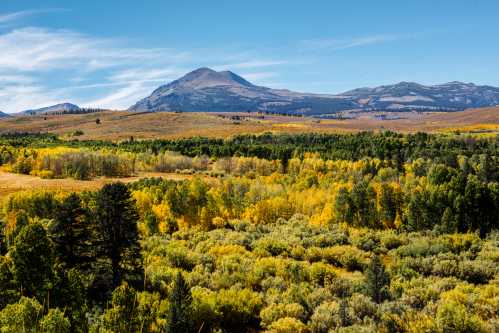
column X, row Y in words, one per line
column 205, row 78
column 206, row 90
column 200, row 72
column 407, row 84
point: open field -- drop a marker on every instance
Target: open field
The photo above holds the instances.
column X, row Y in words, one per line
column 117, row 125
column 13, row 182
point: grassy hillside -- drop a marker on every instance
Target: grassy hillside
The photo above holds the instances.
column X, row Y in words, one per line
column 122, row 125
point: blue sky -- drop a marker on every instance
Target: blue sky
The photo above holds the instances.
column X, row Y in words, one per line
column 112, row 53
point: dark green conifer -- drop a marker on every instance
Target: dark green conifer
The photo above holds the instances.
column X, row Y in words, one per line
column 378, row 280
column 180, row 307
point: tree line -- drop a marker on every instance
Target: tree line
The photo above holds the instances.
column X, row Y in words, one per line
column 398, row 148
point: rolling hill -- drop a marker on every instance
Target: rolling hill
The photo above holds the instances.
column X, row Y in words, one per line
column 121, row 125
column 205, row 90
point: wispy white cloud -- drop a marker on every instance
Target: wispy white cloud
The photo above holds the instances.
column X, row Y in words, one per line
column 250, row 64
column 341, row 44
column 40, row 66
column 134, row 74
column 259, row 77
column 38, row 49
column 15, row 79
column 34, row 59
column 123, row 97
column 11, row 17
column 4, row 18
column 23, row 97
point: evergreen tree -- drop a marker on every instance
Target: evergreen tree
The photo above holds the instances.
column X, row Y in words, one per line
column 116, row 221
column 69, row 293
column 123, row 314
column 364, row 203
column 487, row 168
column 343, row 206
column 152, row 224
column 180, row 307
column 71, row 234
column 378, row 280
column 479, row 213
column 388, row 205
column 418, row 212
column 33, row 260
column 8, row 292
column 447, row 224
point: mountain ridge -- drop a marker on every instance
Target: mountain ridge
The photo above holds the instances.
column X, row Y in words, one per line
column 61, row 107
column 207, row 90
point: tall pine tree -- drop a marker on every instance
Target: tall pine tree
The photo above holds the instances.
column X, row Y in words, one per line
column 71, row 234
column 116, row 221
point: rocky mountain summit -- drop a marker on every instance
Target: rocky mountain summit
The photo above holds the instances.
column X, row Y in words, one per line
column 206, row 90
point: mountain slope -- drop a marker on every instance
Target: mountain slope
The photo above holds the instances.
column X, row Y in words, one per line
column 63, row 107
column 452, row 96
column 4, row 115
column 207, row 90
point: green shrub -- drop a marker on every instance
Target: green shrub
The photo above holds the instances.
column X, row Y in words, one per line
column 453, row 317
column 287, row 325
column 325, row 317
column 321, row 273
column 55, row 322
column 22, row 316
column 274, row 312
column 477, row 271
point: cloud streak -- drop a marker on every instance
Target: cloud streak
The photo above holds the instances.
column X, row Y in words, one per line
column 41, row 66
column 39, row 49
column 342, row 44
column 251, row 64
column 33, row 60
column 4, row 18
column 15, row 16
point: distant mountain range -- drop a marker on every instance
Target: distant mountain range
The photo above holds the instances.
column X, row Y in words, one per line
column 3, row 114
column 63, row 107
column 205, row 90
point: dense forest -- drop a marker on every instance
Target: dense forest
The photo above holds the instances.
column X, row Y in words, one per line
column 274, row 233
column 386, row 145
